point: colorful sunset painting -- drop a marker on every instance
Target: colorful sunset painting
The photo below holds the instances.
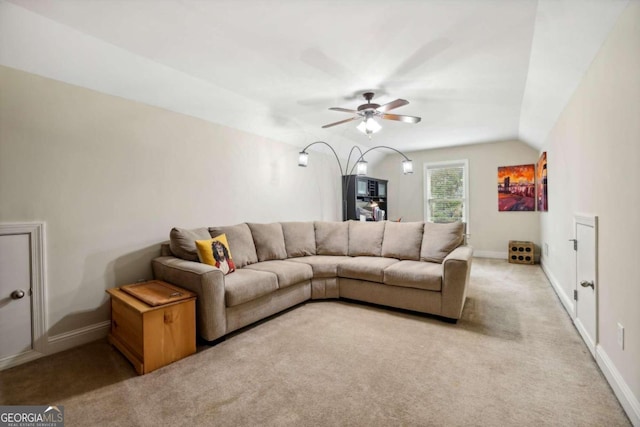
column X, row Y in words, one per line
column 516, row 188
column 543, row 202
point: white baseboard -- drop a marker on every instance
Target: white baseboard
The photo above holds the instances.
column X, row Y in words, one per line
column 622, row 391
column 59, row 343
column 566, row 301
column 19, row 359
column 588, row 340
column 497, row 255
column 78, row 337
column 490, row 254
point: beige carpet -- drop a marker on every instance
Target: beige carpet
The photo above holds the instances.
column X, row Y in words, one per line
column 514, row 359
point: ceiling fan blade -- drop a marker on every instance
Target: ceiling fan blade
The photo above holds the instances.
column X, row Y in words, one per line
column 345, row 110
column 391, row 105
column 340, row 122
column 406, row 119
column 318, row 59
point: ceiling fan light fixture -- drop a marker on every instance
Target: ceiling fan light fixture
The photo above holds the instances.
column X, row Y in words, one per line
column 369, row 111
column 369, row 125
column 372, row 125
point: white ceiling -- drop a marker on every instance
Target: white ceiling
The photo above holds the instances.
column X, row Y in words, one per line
column 474, row 70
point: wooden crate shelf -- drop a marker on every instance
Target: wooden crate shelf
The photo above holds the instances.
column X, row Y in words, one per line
column 521, row 252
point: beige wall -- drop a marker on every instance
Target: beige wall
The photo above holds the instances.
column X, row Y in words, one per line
column 593, row 168
column 110, row 177
column 490, row 230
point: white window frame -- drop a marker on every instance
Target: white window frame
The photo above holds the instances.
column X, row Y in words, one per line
column 465, row 196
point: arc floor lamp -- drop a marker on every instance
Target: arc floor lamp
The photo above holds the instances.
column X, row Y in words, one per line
column 359, row 165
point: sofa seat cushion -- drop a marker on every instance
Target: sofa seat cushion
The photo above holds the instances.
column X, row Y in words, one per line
column 245, row 285
column 369, row 268
column 415, row 274
column 288, row 273
column 323, row 266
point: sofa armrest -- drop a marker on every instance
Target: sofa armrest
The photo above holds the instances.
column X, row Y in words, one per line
column 207, row 282
column 456, row 271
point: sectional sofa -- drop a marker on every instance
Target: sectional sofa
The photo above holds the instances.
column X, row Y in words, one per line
column 416, row 266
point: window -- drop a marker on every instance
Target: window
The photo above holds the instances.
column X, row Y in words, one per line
column 445, row 191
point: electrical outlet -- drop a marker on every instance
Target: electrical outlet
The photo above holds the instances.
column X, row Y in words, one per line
column 621, row 336
column 546, row 249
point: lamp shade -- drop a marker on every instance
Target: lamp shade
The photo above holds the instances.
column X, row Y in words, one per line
column 303, row 159
column 361, row 167
column 407, row 167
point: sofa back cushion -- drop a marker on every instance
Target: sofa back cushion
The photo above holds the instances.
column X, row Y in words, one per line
column 365, row 238
column 299, row 238
column 240, row 243
column 402, row 240
column 332, row 238
column 268, row 240
column 182, row 242
column 440, row 239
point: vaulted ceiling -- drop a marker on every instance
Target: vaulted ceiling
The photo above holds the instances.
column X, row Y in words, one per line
column 474, row 70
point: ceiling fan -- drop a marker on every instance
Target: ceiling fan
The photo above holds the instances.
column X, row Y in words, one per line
column 367, row 112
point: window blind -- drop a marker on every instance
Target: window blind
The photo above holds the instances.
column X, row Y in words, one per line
column 446, row 193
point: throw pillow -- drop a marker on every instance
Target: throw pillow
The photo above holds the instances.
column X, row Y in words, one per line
column 332, row 238
column 365, row 238
column 402, row 240
column 182, row 242
column 269, row 241
column 216, row 252
column 439, row 240
column 244, row 250
column 299, row 238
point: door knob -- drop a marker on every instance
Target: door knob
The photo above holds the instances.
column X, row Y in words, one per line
column 17, row 294
column 586, row 284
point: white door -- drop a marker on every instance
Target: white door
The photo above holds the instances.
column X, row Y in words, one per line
column 586, row 319
column 15, row 295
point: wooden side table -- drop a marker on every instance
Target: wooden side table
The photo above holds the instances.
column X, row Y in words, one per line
column 153, row 336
